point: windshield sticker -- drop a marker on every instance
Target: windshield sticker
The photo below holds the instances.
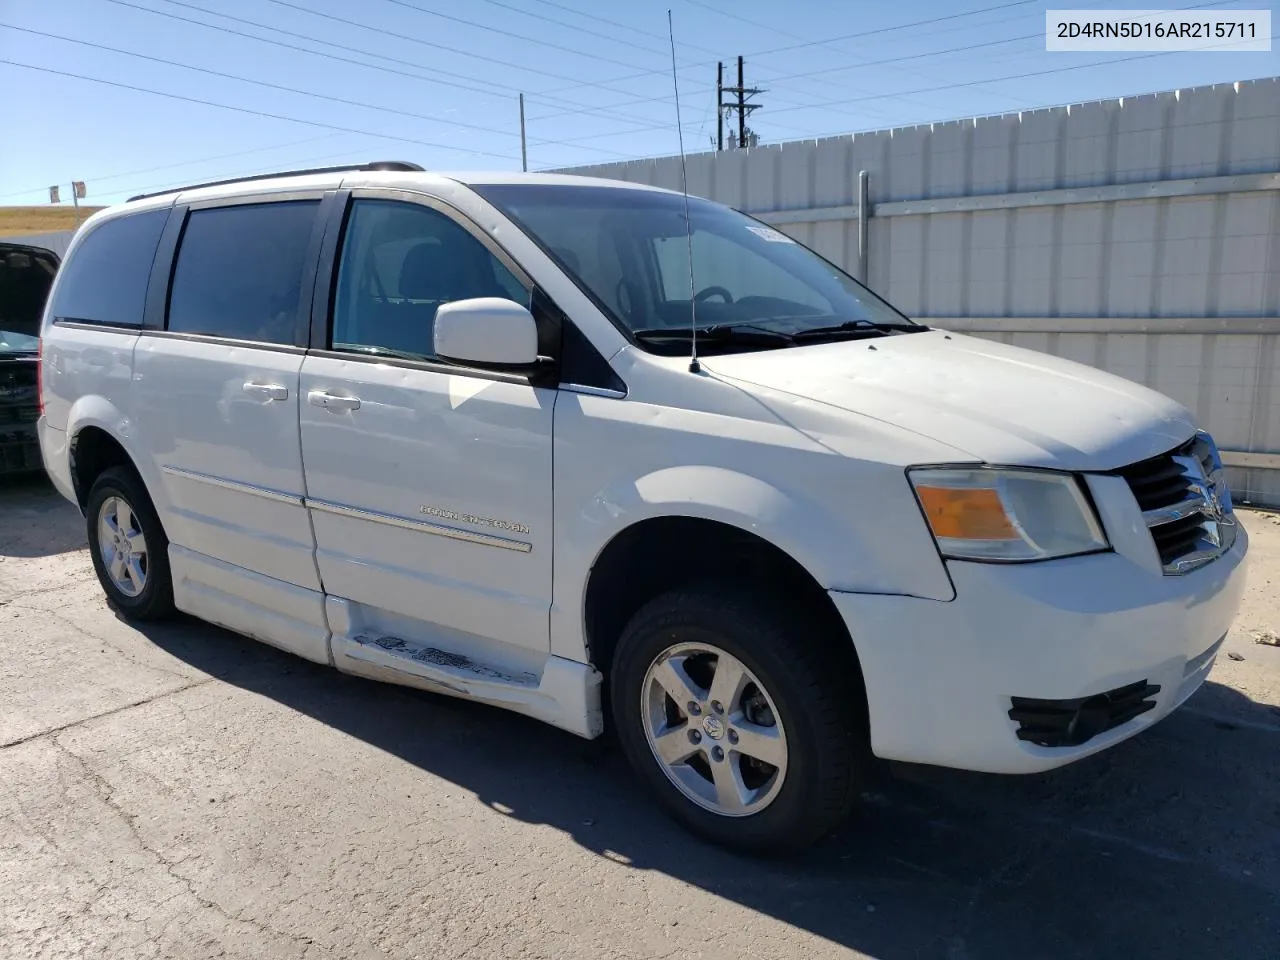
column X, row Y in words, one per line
column 770, row 234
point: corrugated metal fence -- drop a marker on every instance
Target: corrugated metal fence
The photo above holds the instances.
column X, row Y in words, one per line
column 1140, row 235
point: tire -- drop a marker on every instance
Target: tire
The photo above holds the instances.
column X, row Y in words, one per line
column 810, row 696
column 153, row 599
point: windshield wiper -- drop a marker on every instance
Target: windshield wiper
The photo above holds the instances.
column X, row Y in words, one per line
column 857, row 328
column 730, row 333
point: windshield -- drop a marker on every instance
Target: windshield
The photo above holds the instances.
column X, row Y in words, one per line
column 628, row 249
column 26, row 274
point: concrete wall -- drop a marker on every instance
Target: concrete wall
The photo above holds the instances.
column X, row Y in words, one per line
column 1140, row 235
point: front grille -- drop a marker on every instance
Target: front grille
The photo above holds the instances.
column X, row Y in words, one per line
column 1186, row 504
column 1069, row 723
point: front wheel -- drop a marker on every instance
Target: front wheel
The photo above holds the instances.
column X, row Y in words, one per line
column 128, row 545
column 735, row 715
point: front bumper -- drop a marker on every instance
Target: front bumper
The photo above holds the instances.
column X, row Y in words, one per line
column 941, row 676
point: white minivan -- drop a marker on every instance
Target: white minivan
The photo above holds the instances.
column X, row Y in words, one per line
column 449, row 431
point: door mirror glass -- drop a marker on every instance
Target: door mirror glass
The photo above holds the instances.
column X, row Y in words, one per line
column 486, row 332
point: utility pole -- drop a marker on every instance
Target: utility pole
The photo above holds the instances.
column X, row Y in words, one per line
column 524, row 153
column 738, row 103
column 720, row 106
column 742, row 108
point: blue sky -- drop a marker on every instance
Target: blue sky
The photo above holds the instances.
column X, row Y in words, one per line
column 436, row 82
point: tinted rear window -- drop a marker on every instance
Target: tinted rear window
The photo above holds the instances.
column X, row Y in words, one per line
column 105, row 278
column 239, row 271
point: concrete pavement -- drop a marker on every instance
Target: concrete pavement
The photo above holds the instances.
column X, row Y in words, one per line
column 184, row 792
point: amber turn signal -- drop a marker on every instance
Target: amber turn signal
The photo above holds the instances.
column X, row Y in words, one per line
column 972, row 513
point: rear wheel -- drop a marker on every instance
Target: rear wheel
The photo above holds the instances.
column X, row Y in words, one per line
column 736, row 716
column 129, row 548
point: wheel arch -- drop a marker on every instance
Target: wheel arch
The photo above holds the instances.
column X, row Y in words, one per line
column 667, row 551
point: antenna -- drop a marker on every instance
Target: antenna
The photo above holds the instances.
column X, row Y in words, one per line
column 694, row 366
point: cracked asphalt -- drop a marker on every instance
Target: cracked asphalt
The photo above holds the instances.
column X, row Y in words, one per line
column 184, row 792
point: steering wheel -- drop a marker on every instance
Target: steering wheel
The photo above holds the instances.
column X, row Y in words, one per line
column 706, row 292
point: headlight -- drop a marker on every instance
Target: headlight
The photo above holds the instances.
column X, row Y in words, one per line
column 987, row 514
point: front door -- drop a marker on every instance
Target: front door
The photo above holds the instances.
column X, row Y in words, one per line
column 429, row 483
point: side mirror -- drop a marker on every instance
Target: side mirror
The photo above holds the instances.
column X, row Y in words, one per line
column 487, row 332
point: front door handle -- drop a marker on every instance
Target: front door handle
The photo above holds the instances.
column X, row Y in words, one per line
column 332, row 402
column 267, row 391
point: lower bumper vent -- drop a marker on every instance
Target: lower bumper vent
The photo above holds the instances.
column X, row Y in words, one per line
column 1069, row 723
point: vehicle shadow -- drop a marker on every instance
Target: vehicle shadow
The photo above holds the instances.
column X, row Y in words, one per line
column 35, row 520
column 1167, row 845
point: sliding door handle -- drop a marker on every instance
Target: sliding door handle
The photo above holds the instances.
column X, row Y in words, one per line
column 267, row 391
column 332, row 402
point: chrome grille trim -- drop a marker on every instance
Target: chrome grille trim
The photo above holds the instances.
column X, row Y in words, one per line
column 1199, row 525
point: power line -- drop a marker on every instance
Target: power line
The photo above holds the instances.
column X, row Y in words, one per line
column 502, row 91
column 464, row 53
column 402, row 36
column 851, row 36
column 956, row 84
column 1034, row 73
column 314, row 53
column 862, row 34
column 569, row 26
column 295, row 90
column 857, row 66
column 490, row 29
column 616, row 23
column 257, row 113
column 182, row 163
column 605, row 112
column 964, row 48
column 732, row 15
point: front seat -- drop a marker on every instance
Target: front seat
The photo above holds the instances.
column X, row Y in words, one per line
column 435, row 273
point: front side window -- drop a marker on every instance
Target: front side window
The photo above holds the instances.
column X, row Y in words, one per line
column 239, row 271
column 628, row 248
column 105, row 278
column 400, row 263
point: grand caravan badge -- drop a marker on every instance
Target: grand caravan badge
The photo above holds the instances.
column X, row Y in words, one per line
column 442, row 514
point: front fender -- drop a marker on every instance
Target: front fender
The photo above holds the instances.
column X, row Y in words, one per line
column 869, row 552
column 786, row 520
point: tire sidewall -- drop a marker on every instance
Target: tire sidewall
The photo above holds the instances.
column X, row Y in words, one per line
column 744, row 630
column 156, row 598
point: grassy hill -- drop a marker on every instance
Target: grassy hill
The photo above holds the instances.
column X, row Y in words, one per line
column 15, row 221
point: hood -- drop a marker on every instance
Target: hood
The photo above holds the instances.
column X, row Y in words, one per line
column 999, row 404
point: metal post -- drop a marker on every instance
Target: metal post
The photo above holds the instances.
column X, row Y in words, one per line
column 76, row 201
column 742, row 109
column 720, row 106
column 864, row 231
column 524, row 154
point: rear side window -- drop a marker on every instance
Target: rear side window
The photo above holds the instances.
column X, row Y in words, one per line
column 105, row 278
column 239, row 271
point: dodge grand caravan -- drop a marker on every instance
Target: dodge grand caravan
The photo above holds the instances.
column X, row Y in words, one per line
column 447, row 431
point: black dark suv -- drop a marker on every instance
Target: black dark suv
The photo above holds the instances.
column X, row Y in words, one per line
column 26, row 274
